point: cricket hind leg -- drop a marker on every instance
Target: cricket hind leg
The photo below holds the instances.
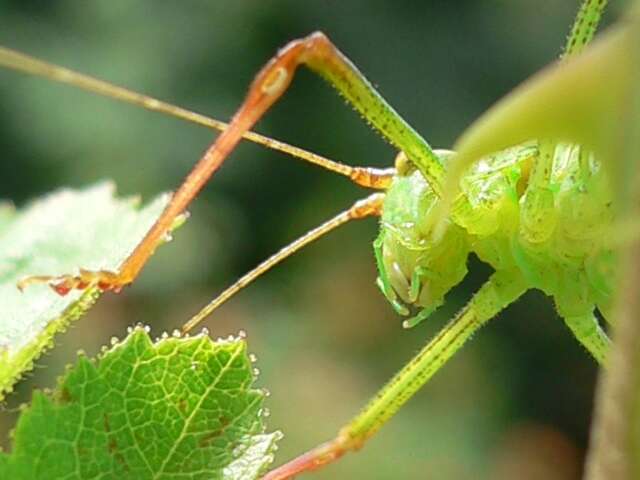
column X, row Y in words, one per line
column 318, row 53
column 499, row 291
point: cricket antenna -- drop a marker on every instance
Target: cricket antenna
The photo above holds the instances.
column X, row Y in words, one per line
column 370, row 206
column 364, row 176
column 267, row 87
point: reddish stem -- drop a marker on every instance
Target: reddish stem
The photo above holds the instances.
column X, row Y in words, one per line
column 314, row 459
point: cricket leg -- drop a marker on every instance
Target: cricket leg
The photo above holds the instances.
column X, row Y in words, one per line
column 579, row 316
column 318, row 53
column 584, row 26
column 498, row 292
column 367, row 207
column 538, row 215
column 590, row 334
column 502, row 126
column 383, row 282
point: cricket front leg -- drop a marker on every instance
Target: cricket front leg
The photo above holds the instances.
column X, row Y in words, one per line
column 320, row 55
column 498, row 292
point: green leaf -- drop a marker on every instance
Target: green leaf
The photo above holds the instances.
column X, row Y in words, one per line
column 56, row 235
column 180, row 408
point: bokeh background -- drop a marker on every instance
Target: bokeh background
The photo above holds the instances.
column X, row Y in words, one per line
column 515, row 403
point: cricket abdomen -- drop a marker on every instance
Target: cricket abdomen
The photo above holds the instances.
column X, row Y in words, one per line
column 571, row 261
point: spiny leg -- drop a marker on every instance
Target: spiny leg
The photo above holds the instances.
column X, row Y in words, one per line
column 537, row 222
column 321, row 56
column 370, row 206
column 587, row 330
column 518, row 117
column 538, row 214
column 584, row 26
column 498, row 292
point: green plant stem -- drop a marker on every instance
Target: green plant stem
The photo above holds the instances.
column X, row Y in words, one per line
column 615, row 434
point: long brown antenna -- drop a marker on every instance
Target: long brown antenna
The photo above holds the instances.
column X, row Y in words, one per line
column 364, row 176
column 268, row 86
column 370, row 206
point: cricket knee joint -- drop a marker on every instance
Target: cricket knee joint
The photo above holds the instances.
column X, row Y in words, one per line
column 317, row 42
column 277, row 74
column 275, row 81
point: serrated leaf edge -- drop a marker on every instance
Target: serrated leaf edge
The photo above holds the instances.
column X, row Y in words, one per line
column 12, row 369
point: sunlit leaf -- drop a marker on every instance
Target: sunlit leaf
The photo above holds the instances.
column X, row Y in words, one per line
column 56, row 235
column 179, row 408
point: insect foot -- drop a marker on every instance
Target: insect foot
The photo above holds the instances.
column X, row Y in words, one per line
column 63, row 284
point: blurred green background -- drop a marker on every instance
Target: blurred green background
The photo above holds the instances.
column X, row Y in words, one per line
column 515, row 403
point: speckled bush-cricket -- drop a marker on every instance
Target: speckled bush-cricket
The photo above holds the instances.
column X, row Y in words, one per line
column 538, row 213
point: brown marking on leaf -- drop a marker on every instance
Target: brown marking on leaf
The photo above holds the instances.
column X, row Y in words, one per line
column 183, row 405
column 117, row 454
column 65, row 395
column 207, row 439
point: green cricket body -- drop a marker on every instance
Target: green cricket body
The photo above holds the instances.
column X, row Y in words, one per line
column 492, row 218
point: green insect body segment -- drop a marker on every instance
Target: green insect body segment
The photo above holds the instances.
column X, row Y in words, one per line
column 494, row 219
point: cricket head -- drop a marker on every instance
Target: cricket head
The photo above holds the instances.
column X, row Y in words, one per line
column 417, row 266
